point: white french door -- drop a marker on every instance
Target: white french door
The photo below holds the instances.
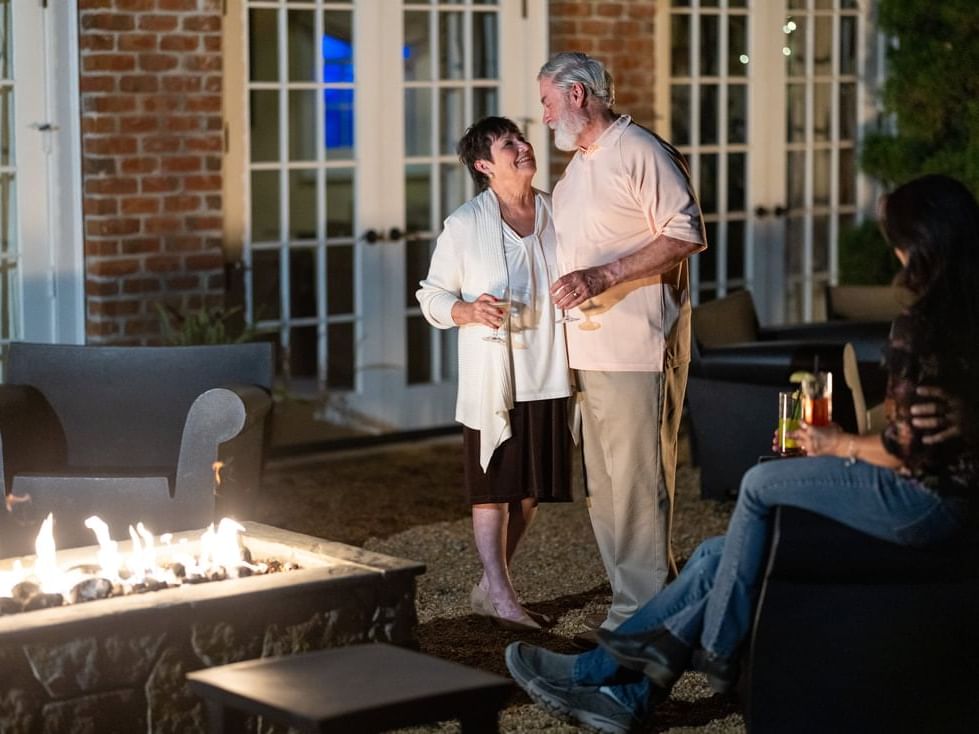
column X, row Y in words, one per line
column 40, row 209
column 767, row 100
column 352, row 115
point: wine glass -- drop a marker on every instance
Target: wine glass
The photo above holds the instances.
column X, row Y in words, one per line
column 565, row 318
column 499, row 333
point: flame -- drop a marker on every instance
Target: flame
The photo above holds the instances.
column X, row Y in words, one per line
column 217, row 466
column 219, row 552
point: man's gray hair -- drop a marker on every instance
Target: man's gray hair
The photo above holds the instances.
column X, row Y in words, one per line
column 569, row 68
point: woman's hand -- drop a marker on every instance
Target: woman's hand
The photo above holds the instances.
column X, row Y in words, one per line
column 481, row 311
column 819, row 440
column 939, row 419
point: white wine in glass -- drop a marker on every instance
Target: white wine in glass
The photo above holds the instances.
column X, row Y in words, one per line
column 499, row 333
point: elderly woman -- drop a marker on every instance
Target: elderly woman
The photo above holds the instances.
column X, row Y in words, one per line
column 490, row 276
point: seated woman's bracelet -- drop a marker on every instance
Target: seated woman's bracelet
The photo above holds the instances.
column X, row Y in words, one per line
column 851, row 452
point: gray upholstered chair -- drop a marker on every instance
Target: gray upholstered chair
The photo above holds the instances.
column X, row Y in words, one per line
column 865, row 302
column 129, row 433
column 738, row 368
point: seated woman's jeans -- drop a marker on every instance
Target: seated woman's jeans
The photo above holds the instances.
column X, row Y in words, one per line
column 874, row 500
column 680, row 606
column 711, row 603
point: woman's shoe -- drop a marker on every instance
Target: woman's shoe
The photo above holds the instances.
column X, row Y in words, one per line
column 483, row 606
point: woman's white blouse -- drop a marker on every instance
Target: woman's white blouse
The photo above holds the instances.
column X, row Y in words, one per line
column 540, row 363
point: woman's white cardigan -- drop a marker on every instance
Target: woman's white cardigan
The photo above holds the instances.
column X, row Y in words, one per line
column 469, row 261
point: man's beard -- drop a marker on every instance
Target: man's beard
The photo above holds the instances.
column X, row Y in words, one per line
column 568, row 127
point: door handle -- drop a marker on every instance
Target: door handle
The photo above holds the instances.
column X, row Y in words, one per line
column 373, row 236
column 763, row 211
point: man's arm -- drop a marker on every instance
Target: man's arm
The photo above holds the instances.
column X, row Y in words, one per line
column 659, row 256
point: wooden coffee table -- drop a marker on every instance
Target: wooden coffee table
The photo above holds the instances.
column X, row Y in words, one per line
column 362, row 688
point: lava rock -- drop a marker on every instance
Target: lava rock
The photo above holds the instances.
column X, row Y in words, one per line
column 90, row 590
column 24, row 590
column 43, row 601
column 10, row 606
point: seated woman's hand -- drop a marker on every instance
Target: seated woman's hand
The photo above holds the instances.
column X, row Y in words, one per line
column 939, row 418
column 819, row 440
column 484, row 310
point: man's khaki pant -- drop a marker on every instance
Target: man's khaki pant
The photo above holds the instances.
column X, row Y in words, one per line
column 629, row 423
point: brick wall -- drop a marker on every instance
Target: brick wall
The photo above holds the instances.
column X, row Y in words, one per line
column 621, row 35
column 151, row 162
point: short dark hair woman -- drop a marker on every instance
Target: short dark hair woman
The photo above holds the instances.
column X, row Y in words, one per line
column 490, row 276
column 915, row 484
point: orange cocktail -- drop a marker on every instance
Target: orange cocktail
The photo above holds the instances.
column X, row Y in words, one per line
column 817, row 399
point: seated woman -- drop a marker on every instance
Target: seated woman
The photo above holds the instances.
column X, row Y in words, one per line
column 490, row 276
column 914, row 485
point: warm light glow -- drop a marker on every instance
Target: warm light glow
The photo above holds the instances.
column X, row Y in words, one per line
column 152, row 562
column 786, row 51
column 743, row 58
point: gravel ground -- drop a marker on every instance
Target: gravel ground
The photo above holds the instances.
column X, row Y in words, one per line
column 405, row 501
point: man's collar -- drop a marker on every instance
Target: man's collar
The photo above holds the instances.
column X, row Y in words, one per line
column 608, row 136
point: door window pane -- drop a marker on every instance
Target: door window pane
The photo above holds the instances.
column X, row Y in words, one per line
column 302, row 282
column 848, row 176
column 820, row 177
column 340, row 356
column 710, row 57
column 417, row 48
column 339, row 123
column 737, row 113
column 708, row 182
column 737, row 45
column 708, row 114
column 417, row 197
column 452, row 118
column 822, row 59
column 736, row 176
column 418, row 121
column 451, row 52
column 822, row 110
column 340, row 282
column 794, row 49
column 265, row 205
column 338, row 46
column 735, row 249
column 263, row 45
column 302, row 204
column 820, row 243
column 680, row 45
column 418, row 255
column 485, row 102
column 848, row 111
column 339, row 202
column 795, row 104
column 303, row 345
column 419, row 357
column 453, row 186
column 795, row 178
column 450, row 354
column 485, row 46
column 848, row 44
column 264, row 114
column 302, row 124
column 266, row 284
column 302, row 45
column 680, row 114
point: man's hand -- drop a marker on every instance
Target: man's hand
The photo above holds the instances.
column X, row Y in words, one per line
column 939, row 418
column 575, row 288
column 481, row 311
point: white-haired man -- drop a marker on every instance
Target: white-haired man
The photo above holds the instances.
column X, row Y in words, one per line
column 627, row 219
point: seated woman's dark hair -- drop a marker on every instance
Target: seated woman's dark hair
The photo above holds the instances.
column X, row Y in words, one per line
column 476, row 143
column 934, row 221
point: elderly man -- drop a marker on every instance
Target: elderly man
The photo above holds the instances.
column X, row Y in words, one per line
column 627, row 219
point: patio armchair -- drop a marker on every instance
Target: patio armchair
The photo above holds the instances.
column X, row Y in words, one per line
column 131, row 434
column 738, row 368
column 865, row 302
column 855, row 634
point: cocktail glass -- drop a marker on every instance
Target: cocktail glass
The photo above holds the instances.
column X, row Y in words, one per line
column 817, row 399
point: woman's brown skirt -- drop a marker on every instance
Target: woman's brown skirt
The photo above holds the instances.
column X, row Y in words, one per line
column 534, row 462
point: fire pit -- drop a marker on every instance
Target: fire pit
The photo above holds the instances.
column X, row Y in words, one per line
column 118, row 664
